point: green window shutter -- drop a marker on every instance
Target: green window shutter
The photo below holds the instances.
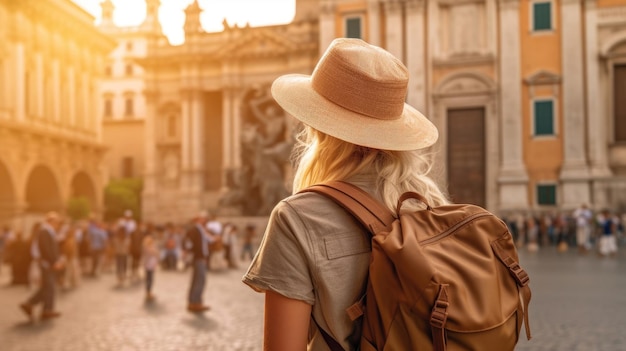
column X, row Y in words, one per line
column 544, row 117
column 353, row 27
column 542, row 16
column 546, row 194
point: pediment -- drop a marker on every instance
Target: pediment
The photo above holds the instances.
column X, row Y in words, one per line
column 543, row 78
column 261, row 43
column 464, row 84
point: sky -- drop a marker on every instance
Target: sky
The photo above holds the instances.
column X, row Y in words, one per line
column 172, row 17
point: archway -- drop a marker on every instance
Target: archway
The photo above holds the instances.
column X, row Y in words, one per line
column 42, row 191
column 7, row 195
column 82, row 187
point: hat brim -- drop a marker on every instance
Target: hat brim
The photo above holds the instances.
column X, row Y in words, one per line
column 411, row 131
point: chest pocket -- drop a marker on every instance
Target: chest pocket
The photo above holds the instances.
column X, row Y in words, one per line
column 347, row 244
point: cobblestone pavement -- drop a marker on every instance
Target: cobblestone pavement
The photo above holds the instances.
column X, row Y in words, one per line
column 579, row 303
column 100, row 316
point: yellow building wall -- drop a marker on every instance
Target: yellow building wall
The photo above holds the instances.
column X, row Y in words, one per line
column 124, row 139
column 541, row 51
column 609, row 3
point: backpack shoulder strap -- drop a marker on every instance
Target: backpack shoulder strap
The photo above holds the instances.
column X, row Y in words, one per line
column 369, row 211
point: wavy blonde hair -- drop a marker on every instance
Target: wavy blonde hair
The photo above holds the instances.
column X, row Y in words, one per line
column 321, row 158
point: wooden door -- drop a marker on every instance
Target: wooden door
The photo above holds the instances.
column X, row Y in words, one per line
column 466, row 156
column 619, row 102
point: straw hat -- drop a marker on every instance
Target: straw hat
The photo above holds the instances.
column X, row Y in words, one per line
column 356, row 93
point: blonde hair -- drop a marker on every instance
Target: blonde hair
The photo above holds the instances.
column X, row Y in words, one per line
column 322, row 158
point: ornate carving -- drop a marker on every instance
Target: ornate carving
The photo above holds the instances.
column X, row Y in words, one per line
column 465, row 84
column 260, row 184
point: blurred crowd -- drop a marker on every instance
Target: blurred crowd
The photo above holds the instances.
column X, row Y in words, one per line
column 584, row 230
column 92, row 247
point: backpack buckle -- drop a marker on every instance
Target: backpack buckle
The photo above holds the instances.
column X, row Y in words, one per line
column 518, row 272
column 439, row 314
column 438, row 318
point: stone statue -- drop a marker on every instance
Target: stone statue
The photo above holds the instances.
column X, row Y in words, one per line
column 260, row 184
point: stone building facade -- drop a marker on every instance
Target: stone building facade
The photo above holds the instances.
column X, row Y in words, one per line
column 529, row 97
column 51, row 57
column 123, row 104
column 214, row 137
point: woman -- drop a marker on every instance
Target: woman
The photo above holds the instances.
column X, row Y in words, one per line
column 357, row 129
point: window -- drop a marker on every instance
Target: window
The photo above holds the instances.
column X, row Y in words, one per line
column 128, row 107
column 129, row 70
column 542, row 15
column 129, row 46
column 353, row 27
column 544, row 117
column 127, row 167
column 108, row 71
column 619, row 102
column 546, row 194
column 108, row 107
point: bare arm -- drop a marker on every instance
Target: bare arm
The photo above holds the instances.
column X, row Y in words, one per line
column 286, row 323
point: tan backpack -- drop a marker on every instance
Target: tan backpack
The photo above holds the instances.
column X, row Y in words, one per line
column 442, row 278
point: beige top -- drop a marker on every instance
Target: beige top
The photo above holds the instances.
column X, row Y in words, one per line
column 315, row 251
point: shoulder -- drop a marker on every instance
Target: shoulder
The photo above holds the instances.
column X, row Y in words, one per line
column 312, row 211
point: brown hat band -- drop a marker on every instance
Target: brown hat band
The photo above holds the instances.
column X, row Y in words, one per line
column 352, row 89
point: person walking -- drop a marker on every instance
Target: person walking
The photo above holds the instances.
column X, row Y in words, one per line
column 98, row 239
column 69, row 250
column 121, row 247
column 583, row 217
column 46, row 251
column 171, row 246
column 229, row 237
column 215, row 228
column 150, row 254
column 358, row 129
column 607, row 245
column 248, row 238
column 20, row 256
column 136, row 248
column 197, row 242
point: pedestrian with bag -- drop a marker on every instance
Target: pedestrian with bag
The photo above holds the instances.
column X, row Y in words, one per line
column 364, row 144
column 45, row 250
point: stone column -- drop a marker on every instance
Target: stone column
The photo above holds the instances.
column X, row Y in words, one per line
column 71, row 98
column 513, row 178
column 415, row 54
column 197, row 142
column 326, row 24
column 185, row 147
column 150, row 195
column 393, row 28
column 237, row 102
column 575, row 171
column 597, row 133
column 56, row 91
column 227, row 129
column 39, row 88
column 374, row 22
column 19, row 71
column 150, row 167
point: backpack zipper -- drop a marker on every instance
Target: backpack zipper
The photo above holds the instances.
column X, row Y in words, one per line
column 452, row 229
